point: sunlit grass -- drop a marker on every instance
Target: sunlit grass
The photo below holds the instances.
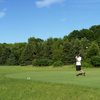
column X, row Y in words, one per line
column 48, row 83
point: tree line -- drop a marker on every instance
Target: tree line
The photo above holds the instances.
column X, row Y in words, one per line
column 55, row 51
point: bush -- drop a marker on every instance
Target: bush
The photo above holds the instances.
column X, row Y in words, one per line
column 25, row 63
column 11, row 60
column 86, row 64
column 58, row 64
column 41, row 62
column 95, row 60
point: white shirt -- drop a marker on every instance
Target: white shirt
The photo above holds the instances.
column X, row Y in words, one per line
column 78, row 60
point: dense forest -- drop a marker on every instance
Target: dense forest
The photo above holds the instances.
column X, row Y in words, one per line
column 55, row 51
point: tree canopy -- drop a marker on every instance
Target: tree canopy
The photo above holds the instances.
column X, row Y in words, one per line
column 46, row 52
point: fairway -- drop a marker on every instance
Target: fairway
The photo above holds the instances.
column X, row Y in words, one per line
column 48, row 83
column 92, row 78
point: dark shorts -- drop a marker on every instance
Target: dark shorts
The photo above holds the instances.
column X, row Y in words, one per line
column 78, row 67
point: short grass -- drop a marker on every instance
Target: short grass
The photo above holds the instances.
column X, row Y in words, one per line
column 47, row 83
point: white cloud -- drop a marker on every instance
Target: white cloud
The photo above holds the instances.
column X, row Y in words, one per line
column 47, row 3
column 3, row 13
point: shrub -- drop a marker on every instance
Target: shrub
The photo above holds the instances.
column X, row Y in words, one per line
column 86, row 64
column 95, row 60
column 41, row 62
column 25, row 63
column 11, row 60
column 58, row 64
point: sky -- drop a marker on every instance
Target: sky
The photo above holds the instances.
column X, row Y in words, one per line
column 22, row 19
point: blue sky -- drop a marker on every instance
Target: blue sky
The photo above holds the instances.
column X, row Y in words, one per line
column 21, row 19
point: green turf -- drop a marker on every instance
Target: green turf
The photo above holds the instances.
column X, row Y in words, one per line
column 67, row 77
column 48, row 83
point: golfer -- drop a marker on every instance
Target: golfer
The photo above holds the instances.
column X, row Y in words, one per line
column 78, row 66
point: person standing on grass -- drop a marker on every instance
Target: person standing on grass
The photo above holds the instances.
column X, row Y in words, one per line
column 78, row 65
